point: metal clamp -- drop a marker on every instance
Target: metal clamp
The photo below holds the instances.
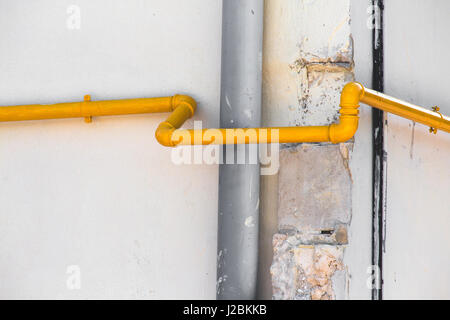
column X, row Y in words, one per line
column 88, row 119
column 436, row 109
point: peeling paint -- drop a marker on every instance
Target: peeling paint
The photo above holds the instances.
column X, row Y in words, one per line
column 227, row 101
column 316, row 53
column 346, row 149
column 250, row 222
column 257, row 205
column 304, row 73
column 248, row 113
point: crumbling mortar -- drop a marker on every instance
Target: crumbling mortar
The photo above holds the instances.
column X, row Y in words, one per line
column 303, row 272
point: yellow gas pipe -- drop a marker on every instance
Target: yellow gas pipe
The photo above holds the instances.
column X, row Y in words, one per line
column 183, row 108
column 352, row 94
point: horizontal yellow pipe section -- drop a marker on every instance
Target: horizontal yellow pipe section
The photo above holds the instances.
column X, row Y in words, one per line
column 333, row 133
column 183, row 107
column 86, row 109
column 250, row 136
column 406, row 110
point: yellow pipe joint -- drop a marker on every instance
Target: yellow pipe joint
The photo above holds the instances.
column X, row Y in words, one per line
column 183, row 108
column 351, row 94
column 349, row 113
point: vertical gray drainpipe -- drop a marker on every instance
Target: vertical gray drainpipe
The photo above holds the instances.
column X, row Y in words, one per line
column 240, row 107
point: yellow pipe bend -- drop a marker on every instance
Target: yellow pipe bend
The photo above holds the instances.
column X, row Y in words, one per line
column 168, row 135
column 183, row 108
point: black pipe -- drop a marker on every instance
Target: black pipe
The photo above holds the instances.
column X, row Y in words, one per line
column 379, row 153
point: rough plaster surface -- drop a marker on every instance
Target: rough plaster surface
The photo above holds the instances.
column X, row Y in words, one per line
column 304, row 272
column 314, row 211
column 325, row 31
column 314, row 187
column 320, row 95
column 308, row 58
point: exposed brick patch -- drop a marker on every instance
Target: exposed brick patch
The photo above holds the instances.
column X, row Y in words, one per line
column 304, row 272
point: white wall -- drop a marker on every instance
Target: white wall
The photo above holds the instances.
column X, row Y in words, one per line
column 105, row 196
column 358, row 252
column 417, row 260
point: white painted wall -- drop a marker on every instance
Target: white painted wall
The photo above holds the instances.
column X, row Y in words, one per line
column 358, row 252
column 105, row 196
column 417, row 260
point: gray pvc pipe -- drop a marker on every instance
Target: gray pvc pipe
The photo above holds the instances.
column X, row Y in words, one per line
column 240, row 106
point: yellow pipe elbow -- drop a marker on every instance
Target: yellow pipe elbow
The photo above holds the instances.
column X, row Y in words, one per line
column 164, row 133
column 349, row 113
column 344, row 130
column 188, row 101
column 351, row 95
column 183, row 108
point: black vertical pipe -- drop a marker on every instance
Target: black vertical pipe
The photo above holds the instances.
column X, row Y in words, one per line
column 379, row 154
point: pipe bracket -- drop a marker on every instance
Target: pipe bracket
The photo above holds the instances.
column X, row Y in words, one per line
column 436, row 109
column 87, row 119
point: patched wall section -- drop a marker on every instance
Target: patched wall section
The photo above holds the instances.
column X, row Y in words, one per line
column 305, row 71
column 306, row 271
column 314, row 188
